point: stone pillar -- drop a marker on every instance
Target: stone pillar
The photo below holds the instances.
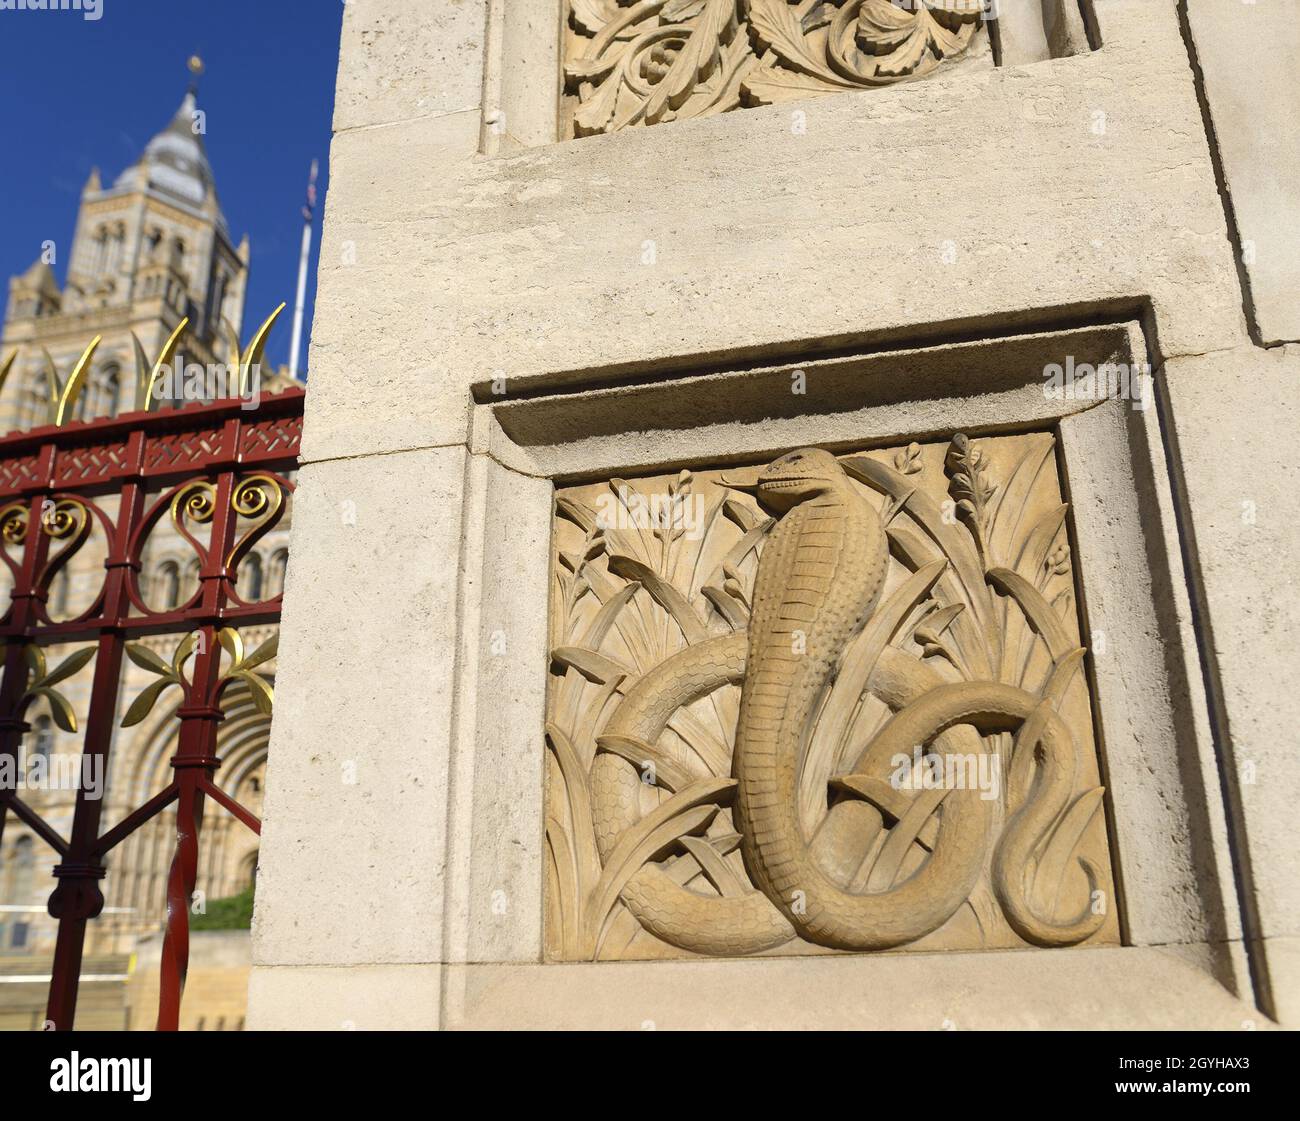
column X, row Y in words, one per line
column 350, row 926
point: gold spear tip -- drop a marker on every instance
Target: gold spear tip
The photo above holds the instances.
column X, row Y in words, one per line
column 196, row 65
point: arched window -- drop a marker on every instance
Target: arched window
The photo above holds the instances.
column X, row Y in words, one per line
column 218, row 297
column 22, row 887
column 82, row 409
column 250, row 578
column 100, row 397
column 35, row 402
column 60, row 588
column 169, row 585
column 42, row 737
column 276, row 573
column 99, row 253
column 178, row 255
column 110, row 391
column 24, row 870
column 117, row 250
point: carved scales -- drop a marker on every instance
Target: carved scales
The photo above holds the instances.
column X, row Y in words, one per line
column 643, row 62
column 910, row 763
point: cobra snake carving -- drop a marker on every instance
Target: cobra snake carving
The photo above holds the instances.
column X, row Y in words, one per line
column 819, row 579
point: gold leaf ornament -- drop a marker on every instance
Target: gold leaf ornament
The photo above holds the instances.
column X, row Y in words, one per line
column 62, row 396
column 168, row 674
column 41, row 682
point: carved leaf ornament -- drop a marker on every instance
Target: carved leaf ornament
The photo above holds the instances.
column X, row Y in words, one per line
column 643, row 62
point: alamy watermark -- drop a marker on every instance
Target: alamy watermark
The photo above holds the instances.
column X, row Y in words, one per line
column 84, row 1074
column 92, row 10
column 980, row 771
column 680, row 515
column 988, row 9
column 216, row 381
column 1083, row 381
column 41, row 770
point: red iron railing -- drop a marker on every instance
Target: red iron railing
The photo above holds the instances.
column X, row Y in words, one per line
column 221, row 474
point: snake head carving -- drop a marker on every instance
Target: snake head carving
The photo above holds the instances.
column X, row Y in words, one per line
column 797, row 477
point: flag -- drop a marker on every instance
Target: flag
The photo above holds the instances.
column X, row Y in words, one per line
column 309, row 210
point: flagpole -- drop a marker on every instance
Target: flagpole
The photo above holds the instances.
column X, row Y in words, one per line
column 300, row 304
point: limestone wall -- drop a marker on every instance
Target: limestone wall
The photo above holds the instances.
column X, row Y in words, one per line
column 575, row 311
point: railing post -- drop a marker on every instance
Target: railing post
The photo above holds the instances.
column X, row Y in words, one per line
column 77, row 899
column 12, row 728
column 14, row 682
column 194, row 760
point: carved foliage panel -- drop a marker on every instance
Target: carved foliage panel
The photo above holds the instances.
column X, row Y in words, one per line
column 643, row 62
column 824, row 704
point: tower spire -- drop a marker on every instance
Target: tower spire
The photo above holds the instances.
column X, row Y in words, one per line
column 195, row 66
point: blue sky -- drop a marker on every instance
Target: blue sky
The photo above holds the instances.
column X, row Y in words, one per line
column 78, row 93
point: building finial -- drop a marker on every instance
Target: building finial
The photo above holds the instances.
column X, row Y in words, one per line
column 195, row 65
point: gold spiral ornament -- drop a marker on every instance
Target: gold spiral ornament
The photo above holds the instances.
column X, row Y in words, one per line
column 196, row 502
column 257, row 496
column 13, row 523
column 66, row 518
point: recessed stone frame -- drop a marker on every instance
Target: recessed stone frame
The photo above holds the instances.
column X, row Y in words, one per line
column 1179, row 928
column 879, row 593
column 634, row 63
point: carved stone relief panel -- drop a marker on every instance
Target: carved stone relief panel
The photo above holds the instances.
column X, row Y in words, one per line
column 826, row 704
column 644, row 62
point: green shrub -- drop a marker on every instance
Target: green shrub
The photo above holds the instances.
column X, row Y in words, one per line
column 232, row 913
